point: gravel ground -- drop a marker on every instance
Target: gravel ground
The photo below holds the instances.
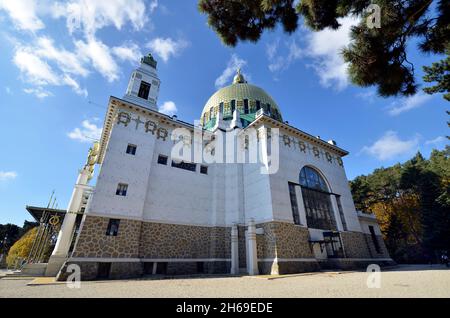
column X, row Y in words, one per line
column 402, row 281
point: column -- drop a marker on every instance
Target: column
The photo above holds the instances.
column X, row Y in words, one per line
column 337, row 215
column 252, row 265
column 234, row 250
column 65, row 234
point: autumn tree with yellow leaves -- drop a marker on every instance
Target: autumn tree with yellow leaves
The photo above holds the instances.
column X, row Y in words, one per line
column 412, row 204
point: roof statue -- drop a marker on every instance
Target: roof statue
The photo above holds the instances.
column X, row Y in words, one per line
column 149, row 60
column 239, row 78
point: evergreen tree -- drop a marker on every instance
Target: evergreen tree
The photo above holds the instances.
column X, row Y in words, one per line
column 374, row 52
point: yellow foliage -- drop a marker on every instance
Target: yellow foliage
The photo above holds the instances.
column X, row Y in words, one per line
column 406, row 208
column 21, row 248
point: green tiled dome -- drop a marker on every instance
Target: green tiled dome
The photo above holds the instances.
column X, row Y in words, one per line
column 247, row 100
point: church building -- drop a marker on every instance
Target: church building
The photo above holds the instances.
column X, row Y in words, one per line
column 263, row 197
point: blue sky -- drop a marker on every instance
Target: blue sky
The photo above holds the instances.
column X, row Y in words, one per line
column 61, row 60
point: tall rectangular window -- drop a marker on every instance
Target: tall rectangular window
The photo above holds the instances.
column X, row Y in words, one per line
column 294, row 204
column 221, row 107
column 144, row 90
column 113, row 227
column 122, row 189
column 341, row 212
column 258, row 105
column 233, row 106
column 319, row 212
column 374, row 239
column 245, row 106
column 131, row 149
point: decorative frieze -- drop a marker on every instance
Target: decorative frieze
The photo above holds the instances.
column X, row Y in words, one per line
column 124, row 118
column 307, row 148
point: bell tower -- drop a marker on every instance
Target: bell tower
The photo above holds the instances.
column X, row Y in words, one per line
column 143, row 88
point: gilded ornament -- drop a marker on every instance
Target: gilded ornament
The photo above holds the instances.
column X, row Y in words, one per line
column 124, row 118
column 302, row 146
column 150, row 126
column 287, row 140
column 162, row 133
column 316, row 152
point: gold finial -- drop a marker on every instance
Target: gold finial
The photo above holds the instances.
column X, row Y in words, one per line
column 239, row 78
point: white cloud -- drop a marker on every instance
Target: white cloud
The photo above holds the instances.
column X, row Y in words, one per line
column 367, row 95
column 33, row 62
column 69, row 81
column 23, row 14
column 234, row 63
column 390, row 146
column 325, row 48
column 436, row 141
column 92, row 15
column 33, row 68
column 7, row 175
column 99, row 55
column 44, row 62
column 167, row 47
column 88, row 132
column 39, row 92
column 67, row 61
column 168, row 108
column 279, row 62
column 408, row 104
column 128, row 52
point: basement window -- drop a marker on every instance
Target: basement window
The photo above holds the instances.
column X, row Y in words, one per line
column 113, row 227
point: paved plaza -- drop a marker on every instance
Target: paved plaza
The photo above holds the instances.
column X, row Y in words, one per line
column 402, row 281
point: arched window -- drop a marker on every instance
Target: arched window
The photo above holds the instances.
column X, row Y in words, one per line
column 317, row 201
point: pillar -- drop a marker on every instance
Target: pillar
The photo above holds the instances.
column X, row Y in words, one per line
column 252, row 265
column 61, row 250
column 234, row 250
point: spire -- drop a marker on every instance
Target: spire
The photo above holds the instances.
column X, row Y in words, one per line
column 239, row 78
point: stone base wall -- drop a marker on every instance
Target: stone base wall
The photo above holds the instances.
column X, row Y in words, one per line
column 283, row 240
column 361, row 245
column 126, row 270
column 93, row 241
column 158, row 240
column 136, row 239
column 283, row 248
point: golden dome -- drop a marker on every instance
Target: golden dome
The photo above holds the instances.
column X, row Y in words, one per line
column 244, row 97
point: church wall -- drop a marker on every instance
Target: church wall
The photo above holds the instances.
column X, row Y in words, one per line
column 257, row 199
column 120, row 167
column 176, row 195
column 292, row 160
